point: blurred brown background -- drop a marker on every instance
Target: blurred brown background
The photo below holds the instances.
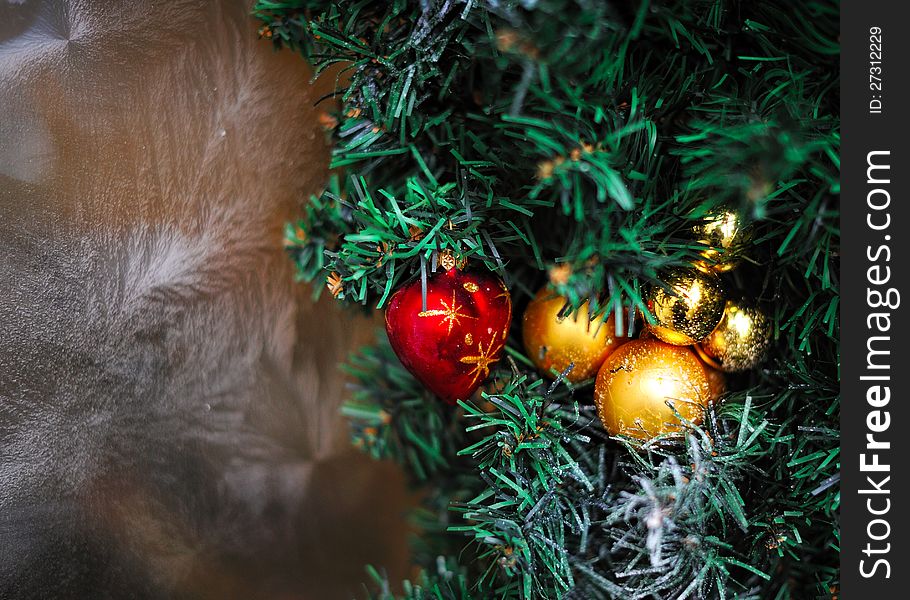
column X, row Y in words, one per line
column 168, row 394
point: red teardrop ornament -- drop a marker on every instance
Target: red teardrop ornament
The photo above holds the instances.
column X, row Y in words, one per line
column 451, row 345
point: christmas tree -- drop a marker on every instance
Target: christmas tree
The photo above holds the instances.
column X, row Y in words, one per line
column 665, row 171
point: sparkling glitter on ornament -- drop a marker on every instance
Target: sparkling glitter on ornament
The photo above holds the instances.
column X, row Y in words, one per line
column 637, row 381
column 740, row 340
column 689, row 310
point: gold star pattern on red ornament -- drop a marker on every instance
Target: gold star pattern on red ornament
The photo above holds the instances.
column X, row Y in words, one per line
column 449, row 313
column 481, row 361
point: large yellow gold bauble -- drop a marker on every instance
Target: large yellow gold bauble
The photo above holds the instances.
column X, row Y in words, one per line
column 689, row 310
column 637, row 381
column 739, row 341
column 553, row 343
column 724, row 233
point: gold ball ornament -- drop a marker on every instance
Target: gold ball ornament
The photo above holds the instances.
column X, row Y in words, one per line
column 636, row 382
column 689, row 310
column 725, row 233
column 717, row 381
column 740, row 340
column 553, row 343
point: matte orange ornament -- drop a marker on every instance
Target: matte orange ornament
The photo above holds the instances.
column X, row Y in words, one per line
column 554, row 342
column 636, row 382
column 450, row 345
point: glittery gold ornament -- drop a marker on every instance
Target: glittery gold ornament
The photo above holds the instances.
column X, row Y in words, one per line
column 739, row 341
column 724, row 233
column 554, row 342
column 689, row 310
column 636, row 382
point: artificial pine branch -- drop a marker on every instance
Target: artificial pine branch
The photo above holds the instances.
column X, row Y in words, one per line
column 577, row 142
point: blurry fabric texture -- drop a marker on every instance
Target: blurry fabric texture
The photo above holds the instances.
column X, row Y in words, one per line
column 168, row 395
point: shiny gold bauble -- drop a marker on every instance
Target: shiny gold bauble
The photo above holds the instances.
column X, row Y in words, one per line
column 739, row 341
column 689, row 310
column 636, row 382
column 725, row 234
column 553, row 342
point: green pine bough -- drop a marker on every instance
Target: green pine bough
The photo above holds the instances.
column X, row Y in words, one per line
column 589, row 135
